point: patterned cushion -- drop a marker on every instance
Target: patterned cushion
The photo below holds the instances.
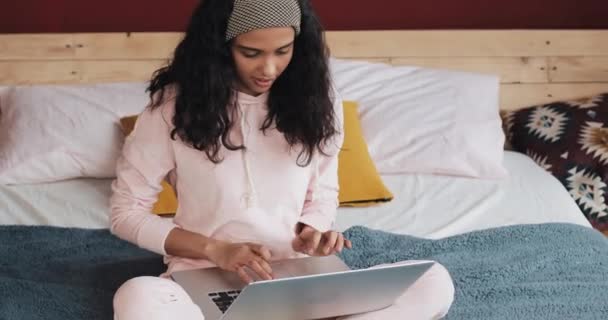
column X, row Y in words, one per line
column 570, row 140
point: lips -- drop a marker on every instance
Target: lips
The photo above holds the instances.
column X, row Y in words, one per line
column 262, row 83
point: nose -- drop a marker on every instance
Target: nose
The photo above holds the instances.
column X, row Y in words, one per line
column 269, row 68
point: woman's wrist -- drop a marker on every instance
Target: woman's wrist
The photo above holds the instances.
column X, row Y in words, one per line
column 188, row 244
column 209, row 247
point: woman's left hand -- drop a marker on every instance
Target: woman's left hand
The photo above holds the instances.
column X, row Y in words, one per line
column 315, row 243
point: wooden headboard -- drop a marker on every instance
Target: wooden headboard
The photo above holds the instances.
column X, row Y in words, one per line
column 535, row 66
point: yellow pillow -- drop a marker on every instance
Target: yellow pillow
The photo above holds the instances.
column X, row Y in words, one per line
column 360, row 183
column 167, row 201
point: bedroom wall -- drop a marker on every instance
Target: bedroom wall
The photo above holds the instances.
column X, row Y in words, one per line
column 39, row 16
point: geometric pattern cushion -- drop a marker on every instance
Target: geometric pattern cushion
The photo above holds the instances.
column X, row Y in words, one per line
column 570, row 140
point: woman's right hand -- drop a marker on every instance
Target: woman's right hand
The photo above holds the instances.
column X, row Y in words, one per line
column 238, row 257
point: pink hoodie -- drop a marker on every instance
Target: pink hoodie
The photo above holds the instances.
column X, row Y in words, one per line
column 257, row 195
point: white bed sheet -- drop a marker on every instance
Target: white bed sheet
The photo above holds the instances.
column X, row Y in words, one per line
column 424, row 205
column 71, row 203
column 439, row 206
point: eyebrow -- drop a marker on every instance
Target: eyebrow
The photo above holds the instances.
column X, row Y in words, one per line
column 254, row 49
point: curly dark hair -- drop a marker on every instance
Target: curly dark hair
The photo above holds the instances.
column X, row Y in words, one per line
column 203, row 73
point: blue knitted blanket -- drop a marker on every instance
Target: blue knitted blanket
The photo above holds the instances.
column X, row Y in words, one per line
column 547, row 271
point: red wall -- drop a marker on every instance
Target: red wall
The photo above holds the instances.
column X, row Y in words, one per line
column 171, row 15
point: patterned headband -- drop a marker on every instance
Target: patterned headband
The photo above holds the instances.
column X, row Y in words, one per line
column 249, row 15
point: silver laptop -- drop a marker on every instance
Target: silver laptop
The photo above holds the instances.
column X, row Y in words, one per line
column 305, row 288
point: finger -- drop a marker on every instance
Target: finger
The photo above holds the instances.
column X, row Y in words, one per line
column 305, row 229
column 244, row 275
column 339, row 243
column 310, row 238
column 261, row 251
column 300, row 227
column 314, row 242
column 330, row 241
column 306, row 233
column 257, row 268
column 348, row 243
column 266, row 266
column 298, row 244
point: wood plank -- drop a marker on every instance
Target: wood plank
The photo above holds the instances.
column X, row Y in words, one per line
column 62, row 72
column 578, row 42
column 510, row 69
column 513, row 96
column 372, row 44
column 578, row 69
column 117, row 71
column 135, row 70
column 125, row 46
column 35, row 72
column 36, row 46
column 373, row 59
column 468, row 43
column 517, row 96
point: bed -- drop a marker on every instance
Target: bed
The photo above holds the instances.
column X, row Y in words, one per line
column 525, row 233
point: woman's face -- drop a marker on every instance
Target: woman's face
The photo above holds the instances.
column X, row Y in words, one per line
column 260, row 56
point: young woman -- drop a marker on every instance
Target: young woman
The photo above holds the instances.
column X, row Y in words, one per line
column 245, row 125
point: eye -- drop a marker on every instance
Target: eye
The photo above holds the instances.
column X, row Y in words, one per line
column 283, row 51
column 250, row 54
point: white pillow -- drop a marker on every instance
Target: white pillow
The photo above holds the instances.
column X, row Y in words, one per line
column 421, row 120
column 57, row 132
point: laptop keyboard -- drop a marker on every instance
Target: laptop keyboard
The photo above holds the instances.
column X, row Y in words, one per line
column 224, row 299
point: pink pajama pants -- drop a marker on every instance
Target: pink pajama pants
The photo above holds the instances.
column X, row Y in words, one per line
column 153, row 298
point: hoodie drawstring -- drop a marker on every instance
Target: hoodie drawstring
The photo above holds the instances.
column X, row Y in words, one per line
column 251, row 196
